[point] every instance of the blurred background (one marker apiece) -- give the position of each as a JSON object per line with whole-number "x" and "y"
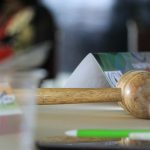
{"x": 55, "y": 35}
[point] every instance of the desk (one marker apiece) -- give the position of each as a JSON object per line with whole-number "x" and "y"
{"x": 54, "y": 120}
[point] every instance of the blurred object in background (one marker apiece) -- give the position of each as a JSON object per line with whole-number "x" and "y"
{"x": 27, "y": 31}
{"x": 99, "y": 26}
{"x": 142, "y": 19}
{"x": 85, "y": 26}
{"x": 139, "y": 25}
{"x": 89, "y": 26}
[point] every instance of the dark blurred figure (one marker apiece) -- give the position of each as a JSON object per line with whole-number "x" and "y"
{"x": 25, "y": 23}
{"x": 116, "y": 37}
{"x": 103, "y": 26}
{"x": 142, "y": 19}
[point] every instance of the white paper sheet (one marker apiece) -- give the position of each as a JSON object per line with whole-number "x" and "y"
{"x": 88, "y": 74}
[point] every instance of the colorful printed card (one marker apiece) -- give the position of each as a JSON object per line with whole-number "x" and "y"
{"x": 116, "y": 64}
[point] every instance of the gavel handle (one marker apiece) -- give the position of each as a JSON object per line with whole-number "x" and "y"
{"x": 48, "y": 96}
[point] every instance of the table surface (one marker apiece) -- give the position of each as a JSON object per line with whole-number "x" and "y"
{"x": 54, "y": 120}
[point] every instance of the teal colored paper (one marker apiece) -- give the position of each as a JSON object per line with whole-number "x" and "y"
{"x": 114, "y": 61}
{"x": 123, "y": 61}
{"x": 116, "y": 64}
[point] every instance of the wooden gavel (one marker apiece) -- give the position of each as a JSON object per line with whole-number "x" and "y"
{"x": 132, "y": 92}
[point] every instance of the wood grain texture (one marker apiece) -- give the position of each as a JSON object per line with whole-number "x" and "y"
{"x": 133, "y": 93}
{"x": 135, "y": 87}
{"x": 77, "y": 95}
{"x": 66, "y": 139}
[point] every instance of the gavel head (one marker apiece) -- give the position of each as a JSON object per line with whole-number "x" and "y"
{"x": 135, "y": 89}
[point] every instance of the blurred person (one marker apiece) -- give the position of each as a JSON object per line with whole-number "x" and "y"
{"x": 25, "y": 23}
{"x": 115, "y": 39}
{"x": 142, "y": 19}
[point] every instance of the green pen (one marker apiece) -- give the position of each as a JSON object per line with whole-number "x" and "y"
{"x": 104, "y": 133}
